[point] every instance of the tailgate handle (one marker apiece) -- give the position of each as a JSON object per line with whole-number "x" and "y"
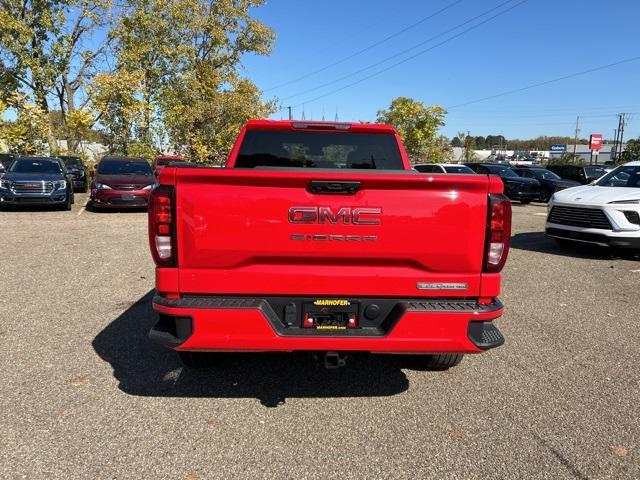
{"x": 329, "y": 187}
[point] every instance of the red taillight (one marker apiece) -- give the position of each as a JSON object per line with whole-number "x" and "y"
{"x": 162, "y": 236}
{"x": 498, "y": 233}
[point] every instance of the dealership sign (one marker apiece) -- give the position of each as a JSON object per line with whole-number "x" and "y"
{"x": 559, "y": 147}
{"x": 595, "y": 141}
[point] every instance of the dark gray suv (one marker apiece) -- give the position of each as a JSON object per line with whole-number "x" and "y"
{"x": 37, "y": 181}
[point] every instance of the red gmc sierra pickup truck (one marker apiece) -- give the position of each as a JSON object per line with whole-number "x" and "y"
{"x": 320, "y": 236}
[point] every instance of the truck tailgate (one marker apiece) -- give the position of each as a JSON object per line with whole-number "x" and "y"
{"x": 235, "y": 235}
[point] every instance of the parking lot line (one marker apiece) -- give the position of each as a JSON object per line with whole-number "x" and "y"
{"x": 84, "y": 207}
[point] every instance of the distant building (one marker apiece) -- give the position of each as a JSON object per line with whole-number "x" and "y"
{"x": 581, "y": 150}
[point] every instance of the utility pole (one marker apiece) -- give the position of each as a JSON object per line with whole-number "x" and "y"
{"x": 575, "y": 139}
{"x": 622, "y": 122}
{"x": 615, "y": 144}
{"x": 290, "y": 114}
{"x": 614, "y": 153}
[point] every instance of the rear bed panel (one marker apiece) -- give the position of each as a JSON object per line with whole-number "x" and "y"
{"x": 235, "y": 237}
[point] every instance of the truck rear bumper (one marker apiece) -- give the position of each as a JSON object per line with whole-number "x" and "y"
{"x": 251, "y": 324}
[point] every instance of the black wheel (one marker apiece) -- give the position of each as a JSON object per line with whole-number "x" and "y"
{"x": 525, "y": 202}
{"x": 197, "y": 359}
{"x": 84, "y": 189}
{"x": 438, "y": 362}
{"x": 67, "y": 204}
{"x": 545, "y": 196}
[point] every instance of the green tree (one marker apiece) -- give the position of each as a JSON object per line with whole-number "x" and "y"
{"x": 455, "y": 142}
{"x": 416, "y": 123}
{"x": 480, "y": 143}
{"x": 188, "y": 54}
{"x": 26, "y": 133}
{"x": 440, "y": 151}
{"x": 495, "y": 141}
{"x": 116, "y": 98}
{"x": 632, "y": 152}
{"x": 148, "y": 41}
{"x": 46, "y": 53}
{"x": 469, "y": 144}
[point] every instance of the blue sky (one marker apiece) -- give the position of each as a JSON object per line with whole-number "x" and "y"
{"x": 533, "y": 42}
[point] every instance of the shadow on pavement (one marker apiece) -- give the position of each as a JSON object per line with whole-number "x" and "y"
{"x": 31, "y": 208}
{"x": 539, "y": 242}
{"x": 145, "y": 369}
{"x": 106, "y": 211}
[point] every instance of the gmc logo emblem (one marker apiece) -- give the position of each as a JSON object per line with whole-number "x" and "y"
{"x": 345, "y": 215}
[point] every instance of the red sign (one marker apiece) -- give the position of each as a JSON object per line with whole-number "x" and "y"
{"x": 595, "y": 141}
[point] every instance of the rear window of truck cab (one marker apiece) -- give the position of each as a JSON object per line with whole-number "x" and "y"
{"x": 315, "y": 149}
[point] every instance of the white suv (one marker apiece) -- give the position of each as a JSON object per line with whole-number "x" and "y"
{"x": 442, "y": 168}
{"x": 605, "y": 212}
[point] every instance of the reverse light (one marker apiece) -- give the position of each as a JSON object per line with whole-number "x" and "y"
{"x": 163, "y": 246}
{"x": 498, "y": 233}
{"x": 162, "y": 236}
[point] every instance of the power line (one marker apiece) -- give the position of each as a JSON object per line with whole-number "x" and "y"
{"x": 546, "y": 82}
{"x": 340, "y": 40}
{"x": 416, "y": 54}
{"x": 402, "y": 52}
{"x": 367, "y": 48}
{"x": 517, "y": 115}
{"x": 563, "y": 109}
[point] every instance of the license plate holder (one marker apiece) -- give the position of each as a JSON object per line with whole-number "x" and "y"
{"x": 330, "y": 315}
{"x": 129, "y": 197}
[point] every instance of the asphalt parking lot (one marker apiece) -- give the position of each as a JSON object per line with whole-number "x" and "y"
{"x": 85, "y": 395}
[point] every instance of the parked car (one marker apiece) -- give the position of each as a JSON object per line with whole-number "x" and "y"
{"x": 122, "y": 182}
{"x": 5, "y": 162}
{"x": 606, "y": 212}
{"x": 549, "y": 181}
{"x": 442, "y": 168}
{"x": 76, "y": 167}
{"x": 515, "y": 187}
{"x": 37, "y": 181}
{"x": 290, "y": 249}
{"x": 582, "y": 174}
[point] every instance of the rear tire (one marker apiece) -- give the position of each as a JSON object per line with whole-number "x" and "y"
{"x": 438, "y": 362}
{"x": 197, "y": 360}
{"x": 545, "y": 196}
{"x": 67, "y": 204}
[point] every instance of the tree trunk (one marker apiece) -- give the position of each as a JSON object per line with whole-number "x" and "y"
{"x": 41, "y": 101}
{"x": 72, "y": 137}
